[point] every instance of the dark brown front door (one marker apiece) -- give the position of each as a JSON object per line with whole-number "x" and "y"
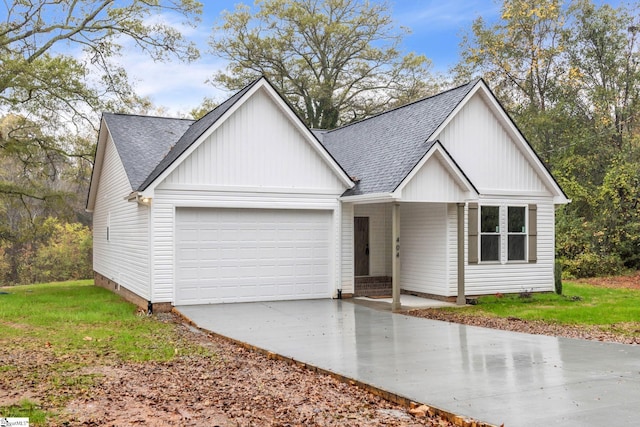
{"x": 361, "y": 245}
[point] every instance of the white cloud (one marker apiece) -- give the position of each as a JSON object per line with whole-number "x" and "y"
{"x": 434, "y": 15}
{"x": 176, "y": 86}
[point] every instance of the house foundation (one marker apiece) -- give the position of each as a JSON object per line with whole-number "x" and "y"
{"x": 104, "y": 282}
{"x": 372, "y": 286}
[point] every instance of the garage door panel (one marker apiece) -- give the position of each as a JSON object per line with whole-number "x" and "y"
{"x": 242, "y": 255}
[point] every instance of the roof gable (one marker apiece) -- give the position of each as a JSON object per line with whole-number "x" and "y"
{"x": 257, "y": 147}
{"x": 506, "y": 148}
{"x": 382, "y": 150}
{"x": 193, "y": 133}
{"x": 202, "y": 129}
{"x": 437, "y": 178}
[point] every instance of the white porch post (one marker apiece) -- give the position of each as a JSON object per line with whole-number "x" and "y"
{"x": 461, "y": 299}
{"x": 395, "y": 253}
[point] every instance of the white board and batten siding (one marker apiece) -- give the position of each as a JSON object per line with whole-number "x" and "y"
{"x": 257, "y": 164}
{"x": 486, "y": 152}
{"x": 128, "y": 224}
{"x": 257, "y": 147}
{"x": 433, "y": 183}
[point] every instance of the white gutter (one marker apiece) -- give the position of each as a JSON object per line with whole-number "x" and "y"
{"x": 370, "y": 198}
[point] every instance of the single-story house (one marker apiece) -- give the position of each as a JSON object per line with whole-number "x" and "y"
{"x": 443, "y": 197}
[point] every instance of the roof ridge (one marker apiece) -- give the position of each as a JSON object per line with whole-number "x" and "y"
{"x": 147, "y": 116}
{"x": 471, "y": 82}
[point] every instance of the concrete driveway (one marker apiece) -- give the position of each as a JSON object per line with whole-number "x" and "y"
{"x": 492, "y": 376}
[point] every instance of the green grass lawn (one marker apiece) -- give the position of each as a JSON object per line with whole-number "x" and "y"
{"x": 72, "y": 326}
{"x": 77, "y": 317}
{"x": 580, "y": 304}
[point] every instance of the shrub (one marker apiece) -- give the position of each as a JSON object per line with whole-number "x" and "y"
{"x": 590, "y": 264}
{"x": 557, "y": 276}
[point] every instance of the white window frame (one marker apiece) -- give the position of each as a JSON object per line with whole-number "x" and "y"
{"x": 524, "y": 233}
{"x": 503, "y": 233}
{"x": 487, "y": 233}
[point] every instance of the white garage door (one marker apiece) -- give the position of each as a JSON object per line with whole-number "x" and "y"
{"x": 242, "y": 255}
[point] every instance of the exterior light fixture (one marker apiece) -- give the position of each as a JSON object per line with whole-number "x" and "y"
{"x": 139, "y": 198}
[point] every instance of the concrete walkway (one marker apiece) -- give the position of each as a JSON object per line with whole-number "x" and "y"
{"x": 492, "y": 376}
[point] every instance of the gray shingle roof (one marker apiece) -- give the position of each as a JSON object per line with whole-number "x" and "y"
{"x": 143, "y": 141}
{"x": 382, "y": 150}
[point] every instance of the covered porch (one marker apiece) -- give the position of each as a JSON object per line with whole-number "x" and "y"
{"x": 410, "y": 248}
{"x": 411, "y": 240}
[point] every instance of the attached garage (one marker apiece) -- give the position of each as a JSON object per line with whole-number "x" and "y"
{"x": 243, "y": 255}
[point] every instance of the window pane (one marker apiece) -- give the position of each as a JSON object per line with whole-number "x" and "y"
{"x": 516, "y": 219}
{"x": 489, "y": 247}
{"x": 489, "y": 219}
{"x": 516, "y": 247}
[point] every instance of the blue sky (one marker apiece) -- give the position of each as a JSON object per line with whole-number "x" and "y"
{"x": 436, "y": 27}
{"x": 436, "y": 30}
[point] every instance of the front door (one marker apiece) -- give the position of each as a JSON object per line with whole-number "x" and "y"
{"x": 361, "y": 245}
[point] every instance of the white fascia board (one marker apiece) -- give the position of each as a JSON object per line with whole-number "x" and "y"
{"x": 369, "y": 198}
{"x": 249, "y": 189}
{"x": 456, "y": 174}
{"x": 311, "y": 139}
{"x": 101, "y": 148}
{"x": 493, "y": 192}
{"x": 561, "y": 200}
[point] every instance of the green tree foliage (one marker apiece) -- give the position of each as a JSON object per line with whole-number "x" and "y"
{"x": 335, "y": 61}
{"x": 569, "y": 74}
{"x": 61, "y": 251}
{"x": 58, "y": 72}
{"x": 67, "y": 254}
{"x": 521, "y": 56}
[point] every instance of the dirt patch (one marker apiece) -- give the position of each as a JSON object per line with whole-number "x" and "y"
{"x": 627, "y": 281}
{"x": 536, "y": 327}
{"x": 236, "y": 387}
